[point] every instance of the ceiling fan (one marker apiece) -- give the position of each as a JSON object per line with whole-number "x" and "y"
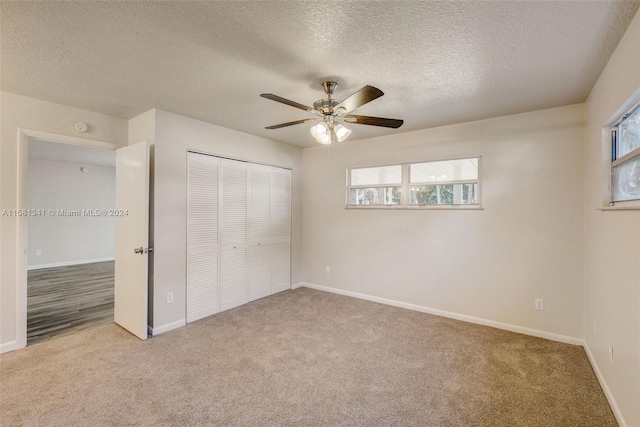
{"x": 332, "y": 112}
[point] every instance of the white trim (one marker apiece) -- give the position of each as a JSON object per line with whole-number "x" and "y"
{"x": 620, "y": 208}
{"x": 419, "y": 207}
{"x": 166, "y": 328}
{"x": 68, "y": 263}
{"x": 298, "y": 285}
{"x": 605, "y": 388}
{"x": 65, "y": 139}
{"x": 9, "y": 346}
{"x": 465, "y": 318}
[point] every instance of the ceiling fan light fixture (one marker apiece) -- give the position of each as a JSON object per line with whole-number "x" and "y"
{"x": 342, "y": 132}
{"x": 327, "y": 133}
{"x": 321, "y": 133}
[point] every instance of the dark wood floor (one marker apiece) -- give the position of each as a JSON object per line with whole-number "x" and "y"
{"x": 66, "y": 299}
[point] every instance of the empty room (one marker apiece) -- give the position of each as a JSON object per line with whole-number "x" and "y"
{"x": 320, "y": 213}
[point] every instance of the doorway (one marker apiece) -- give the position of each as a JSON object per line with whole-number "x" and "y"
{"x": 70, "y": 242}
{"x": 133, "y": 181}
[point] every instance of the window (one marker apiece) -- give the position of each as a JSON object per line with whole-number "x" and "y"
{"x": 625, "y": 157}
{"x": 450, "y": 182}
{"x": 444, "y": 183}
{"x": 375, "y": 186}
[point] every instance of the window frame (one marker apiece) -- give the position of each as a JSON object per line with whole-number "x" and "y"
{"x": 405, "y": 186}
{"x": 615, "y": 161}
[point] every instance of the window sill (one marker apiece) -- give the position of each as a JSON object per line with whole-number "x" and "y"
{"x": 419, "y": 208}
{"x": 619, "y": 208}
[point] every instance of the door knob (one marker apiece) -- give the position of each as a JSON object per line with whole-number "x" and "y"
{"x": 139, "y": 250}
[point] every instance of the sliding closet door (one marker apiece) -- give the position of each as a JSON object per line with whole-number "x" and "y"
{"x": 259, "y": 256}
{"x": 202, "y": 236}
{"x": 233, "y": 228}
{"x": 280, "y": 230}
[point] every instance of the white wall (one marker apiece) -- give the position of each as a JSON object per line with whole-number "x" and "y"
{"x": 173, "y": 137}
{"x": 70, "y": 240}
{"x": 20, "y": 112}
{"x": 489, "y": 264}
{"x": 612, "y": 242}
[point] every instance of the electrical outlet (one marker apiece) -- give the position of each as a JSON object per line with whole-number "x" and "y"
{"x": 539, "y": 304}
{"x": 595, "y": 327}
{"x": 327, "y": 269}
{"x": 169, "y": 297}
{"x": 38, "y": 252}
{"x": 611, "y": 354}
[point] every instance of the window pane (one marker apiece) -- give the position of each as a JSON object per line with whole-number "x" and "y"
{"x": 626, "y": 180}
{"x": 377, "y": 176}
{"x": 445, "y": 171}
{"x": 629, "y": 134}
{"x": 448, "y": 194}
{"x": 375, "y": 196}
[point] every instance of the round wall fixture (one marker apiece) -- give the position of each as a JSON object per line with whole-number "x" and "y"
{"x": 83, "y": 170}
{"x": 81, "y": 127}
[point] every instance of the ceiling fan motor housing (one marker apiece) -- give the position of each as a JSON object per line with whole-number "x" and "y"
{"x": 326, "y": 105}
{"x": 329, "y": 87}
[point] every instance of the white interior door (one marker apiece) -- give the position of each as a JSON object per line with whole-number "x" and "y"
{"x": 132, "y": 238}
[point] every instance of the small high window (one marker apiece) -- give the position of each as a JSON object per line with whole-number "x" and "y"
{"x": 375, "y": 186}
{"x": 625, "y": 157}
{"x": 443, "y": 183}
{"x": 450, "y": 182}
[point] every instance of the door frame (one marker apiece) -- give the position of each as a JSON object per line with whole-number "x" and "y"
{"x": 22, "y": 224}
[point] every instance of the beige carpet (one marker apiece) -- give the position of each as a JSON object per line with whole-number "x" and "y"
{"x": 303, "y": 357}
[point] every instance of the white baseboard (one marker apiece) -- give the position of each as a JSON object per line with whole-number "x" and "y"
{"x": 67, "y": 263}
{"x": 166, "y": 328}
{"x": 297, "y": 285}
{"x": 8, "y": 346}
{"x": 465, "y": 318}
{"x": 605, "y": 387}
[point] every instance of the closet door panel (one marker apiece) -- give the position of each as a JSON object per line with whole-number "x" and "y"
{"x": 280, "y": 267}
{"x": 259, "y": 205}
{"x": 202, "y": 286}
{"x": 234, "y": 202}
{"x": 259, "y": 272}
{"x": 233, "y": 226}
{"x": 281, "y": 205}
{"x": 202, "y": 236}
{"x": 233, "y": 283}
{"x": 259, "y": 260}
{"x": 280, "y": 230}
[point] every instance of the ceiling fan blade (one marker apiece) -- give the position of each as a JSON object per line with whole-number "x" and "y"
{"x": 288, "y": 102}
{"x": 282, "y": 125}
{"x": 358, "y": 99}
{"x": 373, "y": 121}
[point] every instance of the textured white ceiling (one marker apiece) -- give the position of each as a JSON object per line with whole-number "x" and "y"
{"x": 437, "y": 62}
{"x": 45, "y": 150}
